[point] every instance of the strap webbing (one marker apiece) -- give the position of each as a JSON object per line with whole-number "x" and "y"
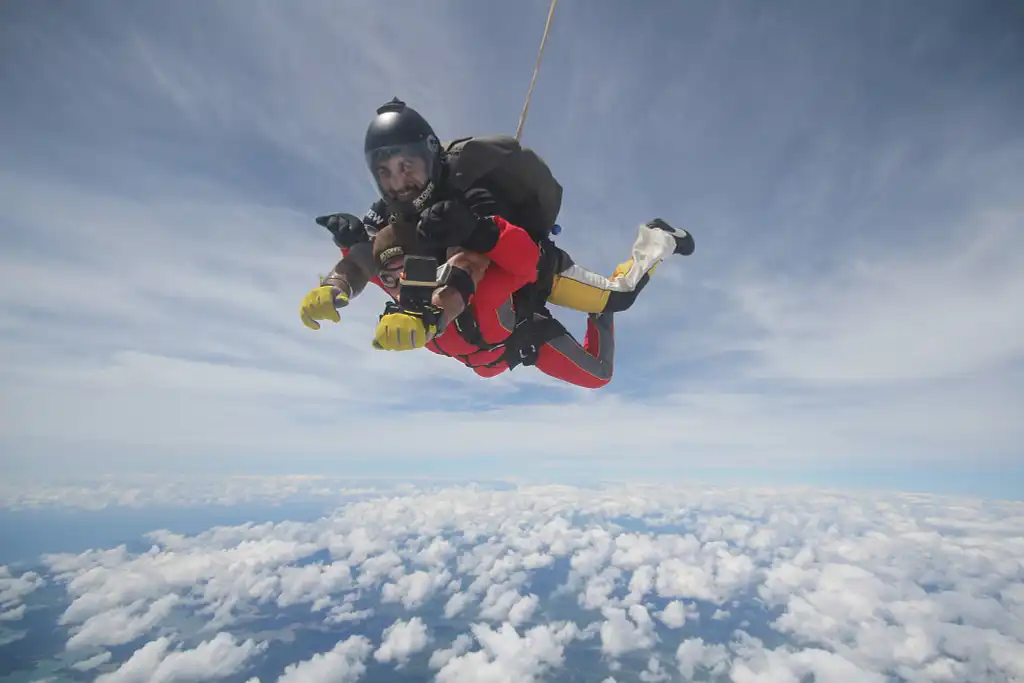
{"x": 536, "y": 68}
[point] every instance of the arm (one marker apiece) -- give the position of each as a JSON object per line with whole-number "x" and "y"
{"x": 354, "y": 237}
{"x": 354, "y": 270}
{"x": 476, "y": 223}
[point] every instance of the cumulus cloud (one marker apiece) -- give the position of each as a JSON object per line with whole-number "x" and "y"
{"x": 694, "y": 654}
{"x": 412, "y": 590}
{"x": 156, "y": 662}
{"x": 654, "y": 672}
{"x": 459, "y": 646}
{"x": 345, "y": 663}
{"x": 677, "y": 612}
{"x": 313, "y": 583}
{"x": 14, "y": 589}
{"x": 849, "y": 585}
{"x": 402, "y": 639}
{"x": 122, "y": 624}
{"x": 456, "y": 604}
{"x": 92, "y": 662}
{"x": 627, "y": 630}
{"x": 505, "y": 655}
{"x": 347, "y": 612}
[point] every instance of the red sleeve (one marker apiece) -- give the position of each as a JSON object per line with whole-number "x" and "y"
{"x": 515, "y": 251}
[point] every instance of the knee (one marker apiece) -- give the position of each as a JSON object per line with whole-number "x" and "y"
{"x": 621, "y": 301}
{"x": 561, "y": 259}
{"x": 597, "y": 382}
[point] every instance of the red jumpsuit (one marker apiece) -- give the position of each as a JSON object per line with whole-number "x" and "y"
{"x": 513, "y": 265}
{"x": 514, "y": 261}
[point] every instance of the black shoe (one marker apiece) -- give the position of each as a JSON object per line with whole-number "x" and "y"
{"x": 684, "y": 240}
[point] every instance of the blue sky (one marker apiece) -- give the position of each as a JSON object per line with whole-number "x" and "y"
{"x": 853, "y": 314}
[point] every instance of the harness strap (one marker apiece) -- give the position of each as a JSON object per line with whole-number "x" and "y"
{"x": 534, "y": 327}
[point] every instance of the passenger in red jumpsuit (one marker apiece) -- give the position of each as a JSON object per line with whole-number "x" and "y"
{"x": 473, "y": 230}
{"x": 497, "y": 274}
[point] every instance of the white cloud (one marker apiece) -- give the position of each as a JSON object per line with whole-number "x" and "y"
{"x": 786, "y": 665}
{"x": 346, "y": 611}
{"x": 456, "y": 604}
{"x": 627, "y": 630}
{"x": 677, "y": 612}
{"x": 523, "y": 609}
{"x": 314, "y": 582}
{"x": 413, "y": 590}
{"x": 598, "y": 588}
{"x": 866, "y": 582}
{"x": 505, "y": 655}
{"x": 459, "y": 646}
{"x": 14, "y": 589}
{"x": 694, "y": 654}
{"x": 122, "y": 624}
{"x": 155, "y": 662}
{"x": 343, "y": 664}
{"x": 654, "y": 672}
{"x": 402, "y": 639}
{"x": 13, "y": 614}
{"x": 92, "y": 662}
{"x": 438, "y": 552}
{"x": 504, "y": 602}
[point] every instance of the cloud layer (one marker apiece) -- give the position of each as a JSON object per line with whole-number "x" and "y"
{"x": 466, "y": 583}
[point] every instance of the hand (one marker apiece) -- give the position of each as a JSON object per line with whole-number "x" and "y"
{"x": 451, "y": 223}
{"x": 322, "y": 303}
{"x": 346, "y": 229}
{"x": 472, "y": 262}
{"x": 403, "y": 331}
{"x": 449, "y": 301}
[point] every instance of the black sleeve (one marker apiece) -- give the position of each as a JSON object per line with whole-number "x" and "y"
{"x": 375, "y": 218}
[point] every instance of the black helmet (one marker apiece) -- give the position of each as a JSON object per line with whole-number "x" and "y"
{"x": 404, "y": 157}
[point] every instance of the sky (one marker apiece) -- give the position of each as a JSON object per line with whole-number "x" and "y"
{"x": 852, "y": 314}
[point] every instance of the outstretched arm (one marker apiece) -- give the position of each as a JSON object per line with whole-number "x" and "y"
{"x": 354, "y": 270}
{"x": 475, "y": 225}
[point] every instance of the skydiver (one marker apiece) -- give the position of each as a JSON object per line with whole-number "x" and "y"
{"x": 492, "y": 280}
{"x": 416, "y": 185}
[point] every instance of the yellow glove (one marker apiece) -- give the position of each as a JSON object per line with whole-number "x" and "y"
{"x": 322, "y": 304}
{"x": 403, "y": 331}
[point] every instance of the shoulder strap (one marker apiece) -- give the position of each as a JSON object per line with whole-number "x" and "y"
{"x": 470, "y": 158}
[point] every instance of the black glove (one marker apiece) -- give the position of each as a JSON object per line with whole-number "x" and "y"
{"x": 453, "y": 224}
{"x": 345, "y": 228}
